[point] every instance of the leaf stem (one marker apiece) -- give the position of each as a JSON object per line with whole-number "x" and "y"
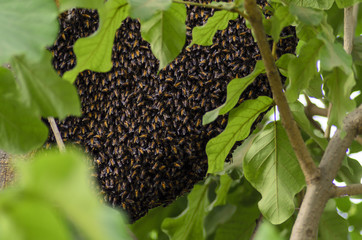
{"x": 56, "y": 132}
{"x": 306, "y": 162}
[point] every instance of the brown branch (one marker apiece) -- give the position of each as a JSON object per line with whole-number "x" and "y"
{"x": 319, "y": 192}
{"x": 56, "y": 132}
{"x": 312, "y": 110}
{"x": 305, "y": 160}
{"x": 350, "y": 190}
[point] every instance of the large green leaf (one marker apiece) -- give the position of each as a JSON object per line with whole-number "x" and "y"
{"x": 237, "y": 129}
{"x": 43, "y": 90}
{"x": 272, "y": 168}
{"x": 21, "y": 130}
{"x": 268, "y": 231}
{"x": 338, "y": 87}
{"x": 222, "y": 190}
{"x": 318, "y": 4}
{"x": 302, "y": 69}
{"x": 68, "y": 4}
{"x": 190, "y": 223}
{"x": 203, "y": 35}
{"x": 332, "y": 226}
{"x": 66, "y": 176}
{"x": 166, "y": 33}
{"x": 145, "y": 9}
{"x": 95, "y": 52}
{"x": 234, "y": 90}
{"x": 26, "y": 27}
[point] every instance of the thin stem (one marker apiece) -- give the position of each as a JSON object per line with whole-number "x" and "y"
{"x": 305, "y": 160}
{"x": 56, "y": 132}
{"x": 350, "y": 190}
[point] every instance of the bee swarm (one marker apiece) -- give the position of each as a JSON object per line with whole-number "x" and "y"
{"x": 144, "y": 129}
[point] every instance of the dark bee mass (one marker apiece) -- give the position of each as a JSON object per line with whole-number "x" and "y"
{"x": 144, "y": 130}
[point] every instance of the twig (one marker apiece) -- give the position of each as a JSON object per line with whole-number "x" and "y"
{"x": 311, "y": 110}
{"x": 348, "y": 29}
{"x": 350, "y": 190}
{"x": 257, "y": 225}
{"x": 56, "y": 132}
{"x": 327, "y": 133}
{"x": 305, "y": 160}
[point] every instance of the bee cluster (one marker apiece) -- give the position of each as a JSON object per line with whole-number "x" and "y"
{"x": 144, "y": 129}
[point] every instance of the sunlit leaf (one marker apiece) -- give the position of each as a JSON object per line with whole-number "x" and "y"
{"x": 26, "y": 27}
{"x": 145, "y": 9}
{"x": 203, "y": 35}
{"x": 95, "y": 52}
{"x": 355, "y": 217}
{"x": 238, "y": 128}
{"x": 272, "y": 168}
{"x": 190, "y": 223}
{"x": 234, "y": 90}
{"x": 222, "y": 190}
{"x": 346, "y": 3}
{"x": 68, "y": 4}
{"x": 268, "y": 231}
{"x": 43, "y": 90}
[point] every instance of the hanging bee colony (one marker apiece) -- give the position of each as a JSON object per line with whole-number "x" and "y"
{"x": 144, "y": 129}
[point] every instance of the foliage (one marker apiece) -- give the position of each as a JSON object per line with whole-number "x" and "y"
{"x": 52, "y": 196}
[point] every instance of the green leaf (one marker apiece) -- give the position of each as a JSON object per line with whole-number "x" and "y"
{"x": 355, "y": 216}
{"x": 21, "y": 130}
{"x": 272, "y": 168}
{"x": 237, "y": 129}
{"x": 280, "y": 20}
{"x": 27, "y": 27}
{"x": 234, "y": 90}
{"x": 190, "y": 223}
{"x": 333, "y": 55}
{"x": 318, "y": 4}
{"x": 307, "y": 15}
{"x": 95, "y": 52}
{"x": 302, "y": 69}
{"x": 343, "y": 204}
{"x": 283, "y": 62}
{"x": 145, "y": 9}
{"x": 351, "y": 172}
{"x": 43, "y": 90}
{"x": 268, "y": 231}
{"x": 315, "y": 87}
{"x": 218, "y": 215}
{"x": 68, "y": 4}
{"x": 35, "y": 219}
{"x": 166, "y": 33}
{"x": 299, "y": 116}
{"x": 66, "y": 176}
{"x": 346, "y": 3}
{"x": 203, "y": 35}
{"x": 222, "y": 190}
{"x": 338, "y": 87}
{"x": 242, "y": 223}
{"x": 332, "y": 226}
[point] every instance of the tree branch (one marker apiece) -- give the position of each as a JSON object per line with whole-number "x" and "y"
{"x": 319, "y": 192}
{"x": 56, "y": 132}
{"x": 350, "y": 190}
{"x": 305, "y": 160}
